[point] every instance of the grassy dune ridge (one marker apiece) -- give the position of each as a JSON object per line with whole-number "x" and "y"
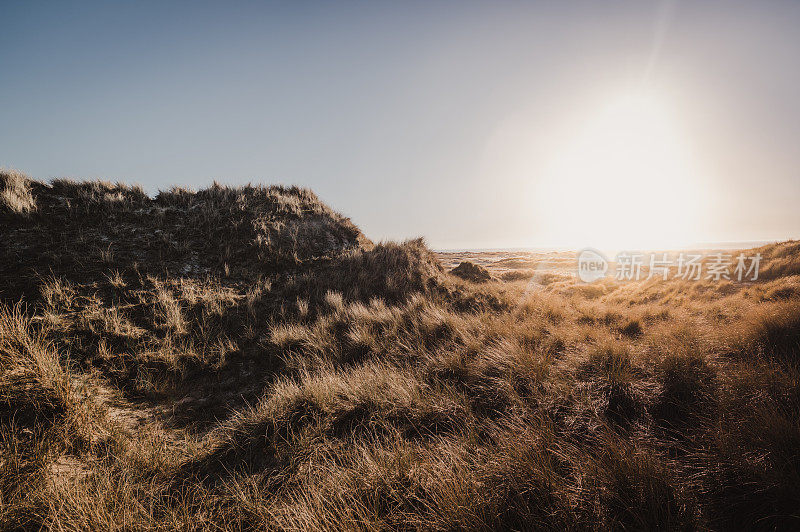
{"x": 244, "y": 358}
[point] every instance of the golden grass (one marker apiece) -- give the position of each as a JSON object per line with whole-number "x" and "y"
{"x": 368, "y": 389}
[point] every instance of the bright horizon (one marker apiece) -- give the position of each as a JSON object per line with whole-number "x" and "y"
{"x": 638, "y": 125}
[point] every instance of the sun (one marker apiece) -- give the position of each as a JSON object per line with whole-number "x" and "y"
{"x": 623, "y": 179}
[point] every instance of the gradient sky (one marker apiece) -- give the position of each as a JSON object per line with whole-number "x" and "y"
{"x": 426, "y": 119}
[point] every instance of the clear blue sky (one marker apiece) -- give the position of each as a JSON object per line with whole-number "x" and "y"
{"x": 412, "y": 118}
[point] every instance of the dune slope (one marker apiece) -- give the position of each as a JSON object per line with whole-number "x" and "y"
{"x": 244, "y": 358}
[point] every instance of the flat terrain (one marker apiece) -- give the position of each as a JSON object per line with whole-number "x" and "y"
{"x": 522, "y": 262}
{"x": 245, "y": 358}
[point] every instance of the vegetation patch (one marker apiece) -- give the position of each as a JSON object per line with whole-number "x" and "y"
{"x": 244, "y": 358}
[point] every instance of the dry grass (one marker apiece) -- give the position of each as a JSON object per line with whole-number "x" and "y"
{"x": 337, "y": 384}
{"x": 16, "y": 198}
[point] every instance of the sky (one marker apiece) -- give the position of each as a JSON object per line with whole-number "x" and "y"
{"x": 473, "y": 124}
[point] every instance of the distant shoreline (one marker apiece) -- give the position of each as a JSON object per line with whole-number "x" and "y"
{"x": 698, "y": 245}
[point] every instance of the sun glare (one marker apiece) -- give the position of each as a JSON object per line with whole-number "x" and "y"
{"x": 625, "y": 179}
